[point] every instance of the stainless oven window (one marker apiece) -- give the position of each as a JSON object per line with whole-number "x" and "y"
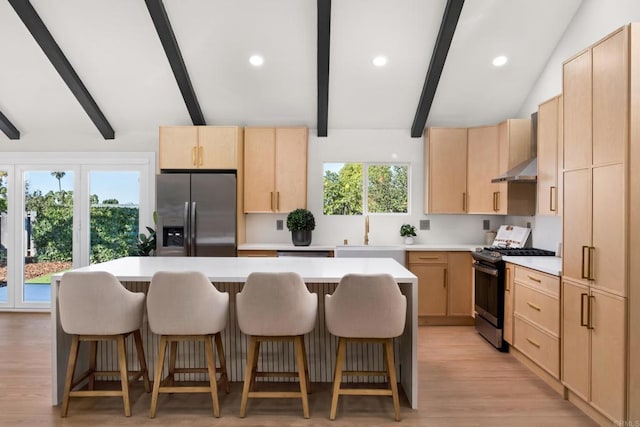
{"x": 488, "y": 295}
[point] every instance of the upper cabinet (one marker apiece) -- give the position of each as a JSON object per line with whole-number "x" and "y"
{"x": 199, "y": 147}
{"x": 275, "y": 161}
{"x": 482, "y": 161}
{"x": 462, "y": 162}
{"x": 446, "y": 156}
{"x": 550, "y": 157}
{"x": 514, "y": 140}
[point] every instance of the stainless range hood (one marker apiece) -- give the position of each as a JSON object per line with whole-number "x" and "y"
{"x": 526, "y": 171}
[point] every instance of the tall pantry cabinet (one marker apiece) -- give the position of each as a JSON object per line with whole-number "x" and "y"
{"x": 601, "y": 335}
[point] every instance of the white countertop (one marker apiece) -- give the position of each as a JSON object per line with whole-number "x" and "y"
{"x": 415, "y": 247}
{"x": 546, "y": 264}
{"x": 313, "y": 270}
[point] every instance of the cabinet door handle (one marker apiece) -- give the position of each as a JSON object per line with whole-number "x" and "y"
{"x": 446, "y": 278}
{"x": 271, "y": 200}
{"x": 535, "y": 279}
{"x": 582, "y": 322}
{"x": 277, "y": 200}
{"x": 464, "y": 202}
{"x": 592, "y": 298}
{"x": 200, "y": 156}
{"x": 428, "y": 257}
{"x": 583, "y": 274}
{"x": 533, "y": 343}
{"x": 535, "y": 307}
{"x": 507, "y": 286}
{"x": 193, "y": 156}
{"x": 553, "y": 190}
{"x": 592, "y": 253}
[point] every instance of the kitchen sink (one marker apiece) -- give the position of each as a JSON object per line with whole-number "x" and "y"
{"x": 371, "y": 251}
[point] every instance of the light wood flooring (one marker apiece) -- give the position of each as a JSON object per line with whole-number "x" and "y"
{"x": 463, "y": 381}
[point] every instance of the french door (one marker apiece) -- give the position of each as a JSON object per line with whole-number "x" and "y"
{"x": 67, "y": 214}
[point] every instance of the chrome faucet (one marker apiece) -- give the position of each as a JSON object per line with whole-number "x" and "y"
{"x": 366, "y": 230}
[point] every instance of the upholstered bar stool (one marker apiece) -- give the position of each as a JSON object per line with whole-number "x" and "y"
{"x": 276, "y": 307}
{"x": 94, "y": 306}
{"x": 366, "y": 308}
{"x": 185, "y": 306}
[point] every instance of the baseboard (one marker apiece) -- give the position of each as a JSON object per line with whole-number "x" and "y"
{"x": 445, "y": 321}
{"x": 589, "y": 410}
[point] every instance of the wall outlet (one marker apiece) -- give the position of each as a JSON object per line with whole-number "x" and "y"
{"x": 528, "y": 225}
{"x": 279, "y": 224}
{"x": 486, "y": 224}
{"x": 425, "y": 224}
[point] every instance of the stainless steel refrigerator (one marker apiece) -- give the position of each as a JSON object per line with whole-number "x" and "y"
{"x": 196, "y": 214}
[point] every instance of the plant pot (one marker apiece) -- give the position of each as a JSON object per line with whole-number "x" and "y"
{"x": 408, "y": 240}
{"x": 301, "y": 237}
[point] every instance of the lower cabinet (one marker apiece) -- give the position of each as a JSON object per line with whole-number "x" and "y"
{"x": 536, "y": 317}
{"x": 257, "y": 253}
{"x": 593, "y": 347}
{"x": 444, "y": 286}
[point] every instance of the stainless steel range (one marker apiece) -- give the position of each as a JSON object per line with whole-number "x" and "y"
{"x": 489, "y": 287}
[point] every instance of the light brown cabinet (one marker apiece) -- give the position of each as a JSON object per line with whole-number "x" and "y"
{"x": 514, "y": 142}
{"x": 199, "y": 147}
{"x": 444, "y": 286}
{"x": 275, "y": 161}
{"x": 536, "y": 313}
{"x": 600, "y": 259}
{"x": 550, "y": 157}
{"x": 507, "y": 332}
{"x": 257, "y": 253}
{"x": 483, "y": 166}
{"x": 446, "y": 156}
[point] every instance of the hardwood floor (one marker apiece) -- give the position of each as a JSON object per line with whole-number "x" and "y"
{"x": 463, "y": 382}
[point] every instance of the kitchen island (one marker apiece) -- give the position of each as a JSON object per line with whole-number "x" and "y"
{"x": 228, "y": 275}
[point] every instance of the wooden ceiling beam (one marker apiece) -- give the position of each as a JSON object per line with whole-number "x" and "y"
{"x": 324, "y": 30}
{"x": 8, "y": 128}
{"x": 172, "y": 50}
{"x": 452, "y": 12}
{"x": 47, "y": 43}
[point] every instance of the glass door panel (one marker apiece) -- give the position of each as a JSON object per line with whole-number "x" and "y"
{"x": 4, "y": 235}
{"x": 114, "y": 214}
{"x": 48, "y": 231}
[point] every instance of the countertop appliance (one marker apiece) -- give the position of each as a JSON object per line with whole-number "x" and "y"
{"x": 488, "y": 268}
{"x": 196, "y": 214}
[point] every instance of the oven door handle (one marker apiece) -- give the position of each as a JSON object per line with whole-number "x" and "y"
{"x": 490, "y": 271}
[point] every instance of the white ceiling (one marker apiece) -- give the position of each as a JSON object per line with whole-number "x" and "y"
{"x": 114, "y": 48}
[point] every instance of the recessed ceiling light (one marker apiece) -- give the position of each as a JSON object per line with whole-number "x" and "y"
{"x": 499, "y": 61}
{"x": 380, "y": 61}
{"x": 256, "y": 60}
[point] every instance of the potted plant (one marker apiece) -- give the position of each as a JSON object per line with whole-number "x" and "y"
{"x": 408, "y": 231}
{"x": 301, "y": 222}
{"x": 147, "y": 244}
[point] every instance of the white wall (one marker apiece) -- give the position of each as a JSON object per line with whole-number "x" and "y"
{"x": 371, "y": 146}
{"x": 593, "y": 20}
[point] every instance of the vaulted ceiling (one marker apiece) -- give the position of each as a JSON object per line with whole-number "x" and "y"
{"x": 114, "y": 48}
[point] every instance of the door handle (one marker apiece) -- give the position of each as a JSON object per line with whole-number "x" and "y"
{"x": 590, "y": 312}
{"x": 534, "y": 279}
{"x": 535, "y": 307}
{"x": 464, "y": 202}
{"x": 193, "y": 155}
{"x": 271, "y": 200}
{"x": 582, "y": 322}
{"x": 592, "y": 252}
{"x": 533, "y": 343}
{"x": 582, "y": 273}
{"x": 186, "y": 233}
{"x": 277, "y": 201}
{"x": 446, "y": 279}
{"x": 553, "y": 190}
{"x": 508, "y": 281}
{"x": 200, "y": 156}
{"x": 193, "y": 229}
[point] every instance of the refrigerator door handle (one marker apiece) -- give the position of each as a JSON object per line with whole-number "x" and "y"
{"x": 186, "y": 233}
{"x": 192, "y": 227}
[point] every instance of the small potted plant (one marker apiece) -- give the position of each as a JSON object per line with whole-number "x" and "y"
{"x": 301, "y": 222}
{"x": 408, "y": 231}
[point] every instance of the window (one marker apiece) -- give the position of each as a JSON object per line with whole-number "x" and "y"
{"x": 362, "y": 188}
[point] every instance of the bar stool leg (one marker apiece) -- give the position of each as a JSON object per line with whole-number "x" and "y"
{"x": 338, "y": 377}
{"x": 143, "y": 363}
{"x": 93, "y": 356}
{"x": 299, "y": 344}
{"x": 251, "y": 356}
{"x": 71, "y": 367}
{"x": 391, "y": 366}
{"x": 173, "y": 356}
{"x": 211, "y": 366}
{"x": 224, "y": 378}
{"x": 157, "y": 379}
{"x": 124, "y": 375}
{"x": 254, "y": 365}
{"x": 306, "y": 366}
